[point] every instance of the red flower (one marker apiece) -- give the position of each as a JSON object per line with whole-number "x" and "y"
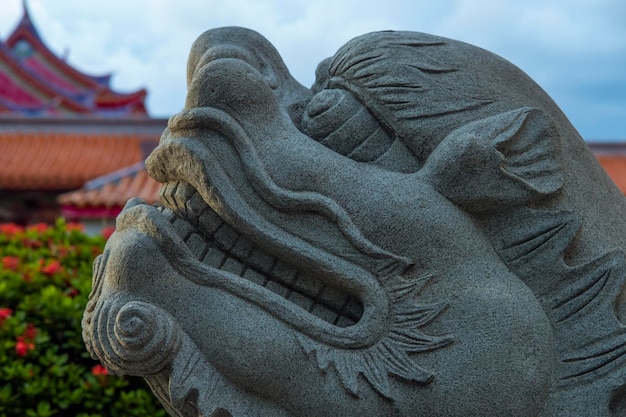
{"x": 30, "y": 332}
{"x": 10, "y": 229}
{"x": 99, "y": 370}
{"x": 39, "y": 227}
{"x": 5, "y": 313}
{"x": 108, "y": 231}
{"x": 95, "y": 251}
{"x": 32, "y": 243}
{"x": 20, "y": 347}
{"x": 75, "y": 226}
{"x": 61, "y": 251}
{"x": 52, "y": 268}
{"x": 23, "y": 346}
{"x": 26, "y": 342}
{"x": 11, "y": 263}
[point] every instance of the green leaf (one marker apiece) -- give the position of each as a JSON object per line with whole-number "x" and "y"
{"x": 57, "y": 374}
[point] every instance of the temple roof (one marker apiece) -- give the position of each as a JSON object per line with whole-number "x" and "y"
{"x": 612, "y": 157}
{"x": 56, "y": 160}
{"x": 615, "y": 167}
{"x": 36, "y": 82}
{"x": 106, "y": 196}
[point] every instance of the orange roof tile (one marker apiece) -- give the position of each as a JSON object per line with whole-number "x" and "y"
{"x": 64, "y": 160}
{"x": 615, "y": 167}
{"x": 114, "y": 189}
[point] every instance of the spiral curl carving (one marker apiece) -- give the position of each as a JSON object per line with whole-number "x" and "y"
{"x": 135, "y": 337}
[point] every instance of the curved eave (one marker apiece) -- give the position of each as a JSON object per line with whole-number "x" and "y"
{"x": 105, "y": 101}
{"x": 108, "y": 96}
{"x": 113, "y": 190}
{"x": 26, "y": 30}
{"x": 110, "y": 100}
{"x": 38, "y": 84}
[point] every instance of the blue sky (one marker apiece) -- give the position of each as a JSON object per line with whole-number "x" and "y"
{"x": 575, "y": 49}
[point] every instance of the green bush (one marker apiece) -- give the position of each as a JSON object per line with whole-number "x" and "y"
{"x": 45, "y": 370}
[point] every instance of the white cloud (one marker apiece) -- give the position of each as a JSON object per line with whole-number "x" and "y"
{"x": 571, "y": 47}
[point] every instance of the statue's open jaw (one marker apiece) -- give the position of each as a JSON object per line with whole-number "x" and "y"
{"x": 217, "y": 244}
{"x": 337, "y": 328}
{"x": 217, "y": 185}
{"x": 211, "y": 253}
{"x": 348, "y": 301}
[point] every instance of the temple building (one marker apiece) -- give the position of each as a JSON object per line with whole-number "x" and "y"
{"x": 64, "y": 134}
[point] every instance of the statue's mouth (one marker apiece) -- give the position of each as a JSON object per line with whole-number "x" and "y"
{"x": 218, "y": 245}
{"x": 354, "y": 330}
{"x": 293, "y": 251}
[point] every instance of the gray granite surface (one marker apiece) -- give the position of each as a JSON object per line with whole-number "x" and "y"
{"x": 420, "y": 233}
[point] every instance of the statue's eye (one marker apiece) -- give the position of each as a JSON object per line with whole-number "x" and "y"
{"x": 339, "y": 121}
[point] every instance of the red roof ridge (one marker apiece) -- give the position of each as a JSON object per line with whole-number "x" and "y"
{"x": 32, "y": 78}
{"x": 56, "y": 83}
{"x": 25, "y": 29}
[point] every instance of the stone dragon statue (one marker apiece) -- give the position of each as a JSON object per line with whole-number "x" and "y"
{"x": 421, "y": 233}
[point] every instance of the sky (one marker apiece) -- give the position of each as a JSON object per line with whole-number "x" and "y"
{"x": 574, "y": 49}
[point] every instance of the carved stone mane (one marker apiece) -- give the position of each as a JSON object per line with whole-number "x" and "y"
{"x": 421, "y": 233}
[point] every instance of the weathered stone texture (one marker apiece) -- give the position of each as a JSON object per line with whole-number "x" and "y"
{"x": 421, "y": 233}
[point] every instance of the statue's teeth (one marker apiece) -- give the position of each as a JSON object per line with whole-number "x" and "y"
{"x": 215, "y": 243}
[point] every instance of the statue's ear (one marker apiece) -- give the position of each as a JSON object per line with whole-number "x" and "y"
{"x": 508, "y": 159}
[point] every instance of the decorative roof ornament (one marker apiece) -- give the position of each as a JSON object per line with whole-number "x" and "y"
{"x": 32, "y": 78}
